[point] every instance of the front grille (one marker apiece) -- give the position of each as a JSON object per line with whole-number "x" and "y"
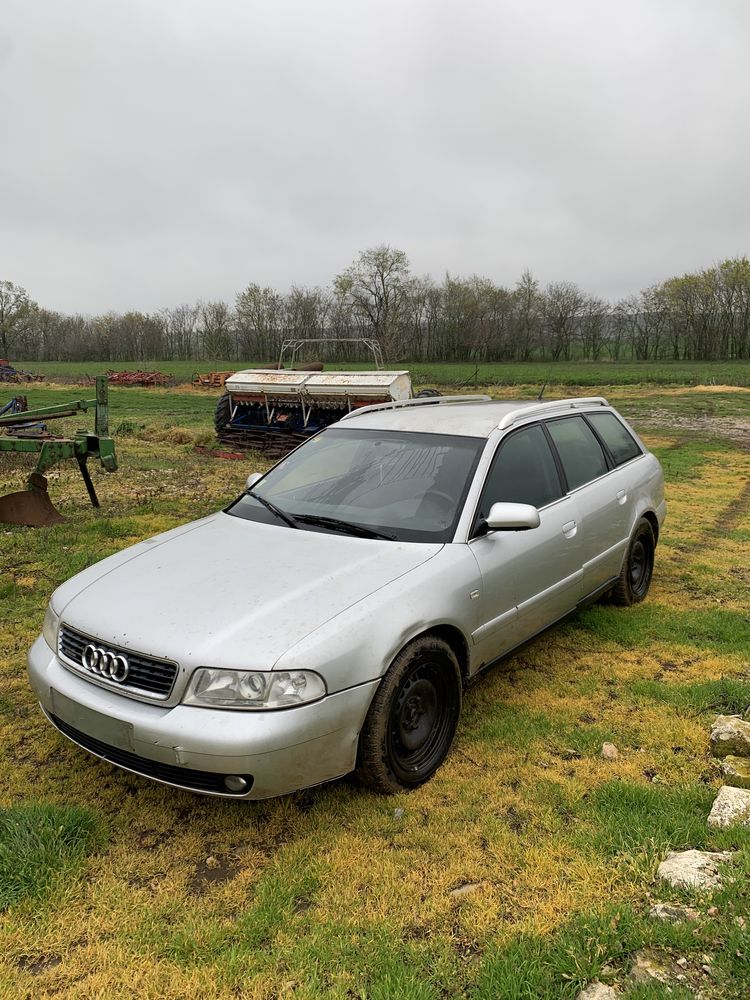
{"x": 145, "y": 673}
{"x": 185, "y": 777}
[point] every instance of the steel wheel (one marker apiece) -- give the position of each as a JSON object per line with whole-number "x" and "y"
{"x": 412, "y": 720}
{"x": 635, "y": 578}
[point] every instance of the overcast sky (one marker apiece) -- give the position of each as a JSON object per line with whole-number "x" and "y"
{"x": 158, "y": 151}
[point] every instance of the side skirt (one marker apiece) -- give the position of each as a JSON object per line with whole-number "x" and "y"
{"x": 585, "y": 602}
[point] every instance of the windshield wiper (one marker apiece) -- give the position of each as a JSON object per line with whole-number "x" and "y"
{"x": 282, "y": 515}
{"x": 348, "y": 526}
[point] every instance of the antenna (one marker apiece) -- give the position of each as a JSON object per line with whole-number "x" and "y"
{"x": 541, "y": 392}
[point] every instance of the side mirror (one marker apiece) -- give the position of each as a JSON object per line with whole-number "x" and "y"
{"x": 252, "y": 479}
{"x": 512, "y": 517}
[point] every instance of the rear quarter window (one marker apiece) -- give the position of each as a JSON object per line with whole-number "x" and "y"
{"x": 581, "y": 454}
{"x": 615, "y": 435}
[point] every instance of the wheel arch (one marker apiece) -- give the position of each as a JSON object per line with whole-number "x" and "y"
{"x": 653, "y": 520}
{"x": 454, "y": 638}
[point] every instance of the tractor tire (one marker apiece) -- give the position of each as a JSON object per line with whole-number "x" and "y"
{"x": 222, "y": 412}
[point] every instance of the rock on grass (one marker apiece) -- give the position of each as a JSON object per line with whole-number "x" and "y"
{"x": 598, "y": 991}
{"x": 736, "y": 771}
{"x": 674, "y": 913}
{"x": 730, "y": 734}
{"x": 649, "y": 967}
{"x": 696, "y": 869}
{"x": 731, "y": 807}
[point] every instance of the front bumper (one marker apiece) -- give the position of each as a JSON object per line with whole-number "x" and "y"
{"x": 281, "y": 751}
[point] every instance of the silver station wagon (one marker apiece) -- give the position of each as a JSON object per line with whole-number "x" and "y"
{"x": 330, "y": 618}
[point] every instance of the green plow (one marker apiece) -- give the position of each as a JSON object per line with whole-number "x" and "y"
{"x": 33, "y": 506}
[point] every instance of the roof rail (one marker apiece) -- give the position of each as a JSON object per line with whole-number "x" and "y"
{"x": 572, "y": 404}
{"x": 421, "y": 401}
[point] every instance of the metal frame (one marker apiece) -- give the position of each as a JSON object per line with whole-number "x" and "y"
{"x": 560, "y": 404}
{"x": 295, "y": 344}
{"x": 417, "y": 401}
{"x": 51, "y": 450}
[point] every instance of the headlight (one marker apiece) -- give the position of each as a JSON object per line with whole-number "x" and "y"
{"x": 253, "y": 689}
{"x": 50, "y": 627}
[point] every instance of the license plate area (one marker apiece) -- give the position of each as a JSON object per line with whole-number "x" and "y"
{"x": 101, "y": 727}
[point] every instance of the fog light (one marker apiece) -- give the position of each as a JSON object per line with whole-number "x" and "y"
{"x": 234, "y": 783}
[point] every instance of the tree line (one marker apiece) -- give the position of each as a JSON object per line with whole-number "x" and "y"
{"x": 700, "y": 317}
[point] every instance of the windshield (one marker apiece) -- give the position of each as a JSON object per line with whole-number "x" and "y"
{"x": 400, "y": 485}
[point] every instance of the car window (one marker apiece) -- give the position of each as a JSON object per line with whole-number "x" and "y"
{"x": 616, "y": 437}
{"x": 523, "y": 471}
{"x": 408, "y": 485}
{"x": 581, "y": 454}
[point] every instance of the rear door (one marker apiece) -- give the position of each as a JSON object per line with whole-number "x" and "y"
{"x": 531, "y": 578}
{"x": 602, "y": 496}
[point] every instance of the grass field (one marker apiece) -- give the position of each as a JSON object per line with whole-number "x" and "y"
{"x": 583, "y": 373}
{"x": 112, "y": 886}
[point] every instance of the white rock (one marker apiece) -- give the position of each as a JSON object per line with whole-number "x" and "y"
{"x": 731, "y": 807}
{"x": 609, "y": 751}
{"x": 736, "y": 771}
{"x": 730, "y": 735}
{"x": 697, "y": 869}
{"x": 675, "y": 913}
{"x": 649, "y": 967}
{"x": 464, "y": 890}
{"x": 597, "y": 991}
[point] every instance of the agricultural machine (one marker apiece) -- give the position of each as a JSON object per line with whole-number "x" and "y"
{"x": 27, "y": 434}
{"x": 274, "y": 410}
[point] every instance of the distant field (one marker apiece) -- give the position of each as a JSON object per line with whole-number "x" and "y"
{"x": 581, "y": 373}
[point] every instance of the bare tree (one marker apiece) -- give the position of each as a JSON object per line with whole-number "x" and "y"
{"x": 260, "y": 314}
{"x": 593, "y": 326}
{"x": 215, "y": 329}
{"x": 527, "y": 311}
{"x": 563, "y": 301}
{"x": 377, "y": 284}
{"x": 16, "y": 312}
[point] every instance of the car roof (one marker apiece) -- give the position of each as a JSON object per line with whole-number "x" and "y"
{"x": 477, "y": 418}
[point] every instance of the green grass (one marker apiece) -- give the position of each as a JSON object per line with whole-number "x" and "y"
{"x": 687, "y": 459}
{"x": 648, "y": 623}
{"x": 727, "y": 696}
{"x": 43, "y": 846}
{"x": 581, "y": 373}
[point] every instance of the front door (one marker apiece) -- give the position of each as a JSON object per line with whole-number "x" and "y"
{"x": 531, "y": 578}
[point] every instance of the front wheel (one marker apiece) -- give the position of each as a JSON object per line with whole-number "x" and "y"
{"x": 412, "y": 719}
{"x": 638, "y": 567}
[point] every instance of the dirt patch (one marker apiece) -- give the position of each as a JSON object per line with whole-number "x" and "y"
{"x": 36, "y": 964}
{"x": 212, "y": 870}
{"x": 733, "y": 513}
{"x": 733, "y": 429}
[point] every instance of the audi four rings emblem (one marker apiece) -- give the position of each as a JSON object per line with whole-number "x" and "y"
{"x": 104, "y": 662}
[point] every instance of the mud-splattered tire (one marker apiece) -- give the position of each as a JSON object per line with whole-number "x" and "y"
{"x": 637, "y": 568}
{"x": 412, "y": 720}
{"x": 222, "y": 412}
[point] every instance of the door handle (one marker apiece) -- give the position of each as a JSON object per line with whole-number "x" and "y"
{"x": 622, "y": 496}
{"x": 569, "y": 529}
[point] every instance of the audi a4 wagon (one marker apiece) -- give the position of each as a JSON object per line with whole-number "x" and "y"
{"x": 329, "y": 619}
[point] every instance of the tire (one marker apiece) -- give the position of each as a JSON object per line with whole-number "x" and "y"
{"x": 638, "y": 567}
{"x": 428, "y": 394}
{"x": 412, "y": 720}
{"x": 222, "y": 412}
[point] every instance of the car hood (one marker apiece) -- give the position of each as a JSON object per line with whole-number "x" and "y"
{"x": 229, "y": 592}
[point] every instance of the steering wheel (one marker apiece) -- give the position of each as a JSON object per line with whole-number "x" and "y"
{"x": 446, "y": 500}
